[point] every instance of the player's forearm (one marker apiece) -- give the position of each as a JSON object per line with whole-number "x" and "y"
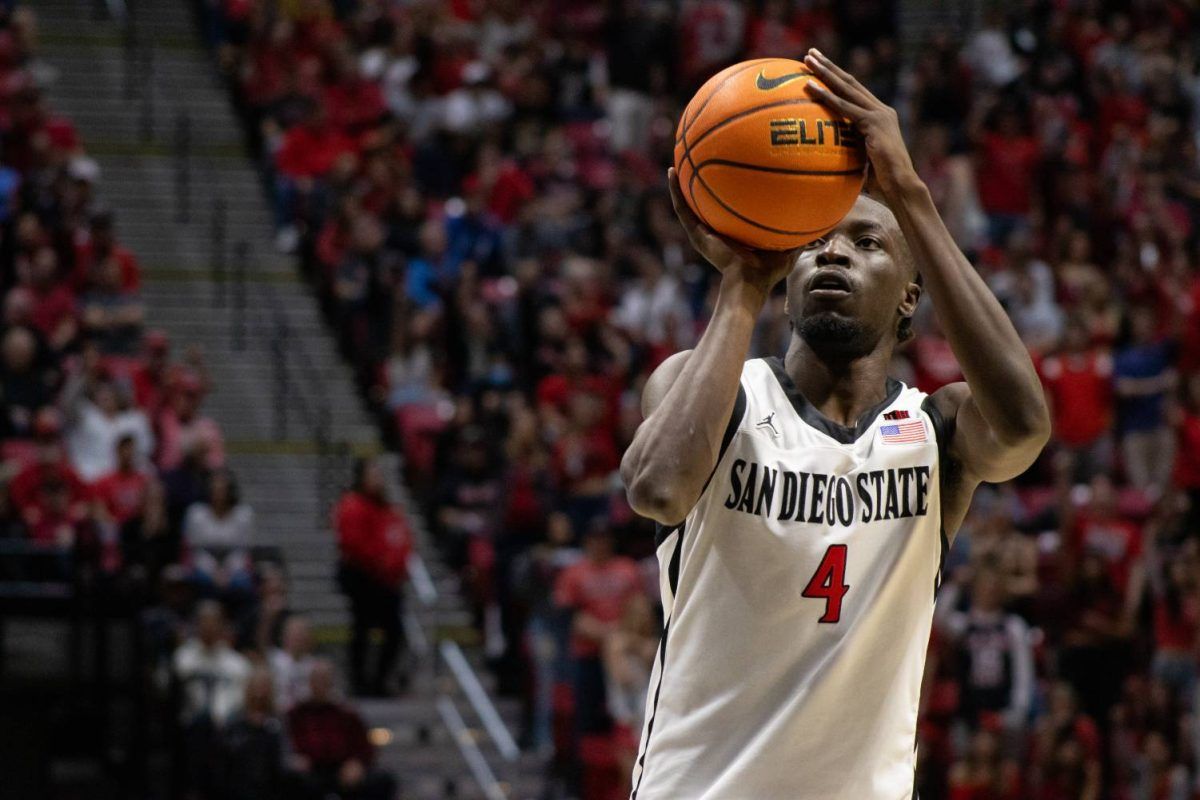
{"x": 1003, "y": 381}
{"x": 676, "y": 447}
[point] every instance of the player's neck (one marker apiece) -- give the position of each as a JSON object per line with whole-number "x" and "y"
{"x": 841, "y": 390}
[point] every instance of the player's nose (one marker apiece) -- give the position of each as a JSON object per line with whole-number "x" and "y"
{"x": 833, "y": 252}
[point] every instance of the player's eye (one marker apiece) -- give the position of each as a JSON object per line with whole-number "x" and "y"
{"x": 814, "y": 244}
{"x": 868, "y": 243}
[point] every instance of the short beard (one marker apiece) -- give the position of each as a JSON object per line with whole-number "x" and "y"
{"x": 835, "y": 337}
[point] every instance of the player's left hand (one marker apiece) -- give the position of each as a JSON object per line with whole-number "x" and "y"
{"x": 875, "y": 120}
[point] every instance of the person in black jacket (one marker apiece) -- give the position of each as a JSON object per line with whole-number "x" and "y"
{"x": 250, "y": 754}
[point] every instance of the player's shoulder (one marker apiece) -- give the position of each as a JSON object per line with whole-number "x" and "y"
{"x": 948, "y": 399}
{"x": 663, "y": 378}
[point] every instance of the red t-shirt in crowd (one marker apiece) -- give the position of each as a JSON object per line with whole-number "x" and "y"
{"x": 511, "y": 190}
{"x": 373, "y": 536}
{"x": 579, "y": 458}
{"x": 599, "y": 590}
{"x": 50, "y": 308}
{"x": 148, "y": 389}
{"x": 1006, "y": 173}
{"x": 1080, "y": 389}
{"x": 85, "y": 259}
{"x": 122, "y": 493}
{"x": 27, "y": 489}
{"x": 557, "y": 390}
{"x": 1117, "y": 540}
{"x": 353, "y": 105}
{"x": 308, "y": 152}
{"x": 1187, "y": 454}
{"x": 1176, "y": 631}
{"x": 328, "y": 734}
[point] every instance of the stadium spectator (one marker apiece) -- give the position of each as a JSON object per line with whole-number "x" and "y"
{"x": 212, "y": 674}
{"x": 111, "y": 313}
{"x": 148, "y": 543}
{"x": 250, "y": 754}
{"x": 49, "y": 466}
{"x": 182, "y": 428}
{"x": 292, "y": 663}
{"x": 260, "y": 626}
{"x": 149, "y": 377}
{"x": 1144, "y": 375}
{"x": 217, "y": 533}
{"x": 330, "y": 750}
{"x": 374, "y": 542}
{"x": 186, "y": 484}
{"x": 212, "y": 677}
{"x": 97, "y": 244}
{"x": 1079, "y": 387}
{"x": 997, "y": 657}
{"x": 98, "y": 417}
{"x": 54, "y": 310}
{"x": 629, "y": 653}
{"x": 123, "y": 491}
{"x": 596, "y": 589}
{"x": 26, "y": 381}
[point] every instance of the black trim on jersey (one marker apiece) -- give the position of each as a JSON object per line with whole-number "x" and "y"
{"x": 943, "y": 429}
{"x": 817, "y": 420}
{"x": 735, "y": 419}
{"x": 673, "y": 580}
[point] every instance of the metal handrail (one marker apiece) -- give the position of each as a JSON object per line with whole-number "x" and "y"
{"x": 468, "y": 681}
{"x": 298, "y": 387}
{"x": 183, "y": 168}
{"x": 478, "y": 765}
{"x": 217, "y": 249}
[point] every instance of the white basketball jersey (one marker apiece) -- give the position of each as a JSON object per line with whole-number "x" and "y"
{"x": 798, "y": 597}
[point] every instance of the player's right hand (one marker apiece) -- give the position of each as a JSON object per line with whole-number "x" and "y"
{"x": 762, "y": 268}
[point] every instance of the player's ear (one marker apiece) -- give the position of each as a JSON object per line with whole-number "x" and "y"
{"x": 912, "y": 298}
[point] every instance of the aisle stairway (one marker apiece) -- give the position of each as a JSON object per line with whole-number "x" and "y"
{"x": 190, "y": 203}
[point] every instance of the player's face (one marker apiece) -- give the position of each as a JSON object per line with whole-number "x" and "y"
{"x": 851, "y": 285}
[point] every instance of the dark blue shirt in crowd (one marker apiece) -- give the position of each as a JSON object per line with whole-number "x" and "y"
{"x": 1142, "y": 412}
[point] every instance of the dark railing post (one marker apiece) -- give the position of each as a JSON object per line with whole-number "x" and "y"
{"x": 183, "y": 168}
{"x": 241, "y": 260}
{"x": 217, "y": 255}
{"x": 278, "y": 353}
{"x": 146, "y": 74}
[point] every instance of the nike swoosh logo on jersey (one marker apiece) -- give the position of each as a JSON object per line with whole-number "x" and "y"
{"x": 767, "y": 84}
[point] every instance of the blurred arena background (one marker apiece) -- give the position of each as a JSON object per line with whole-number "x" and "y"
{"x": 325, "y": 312}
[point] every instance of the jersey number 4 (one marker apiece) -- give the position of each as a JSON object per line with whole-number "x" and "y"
{"x": 828, "y": 583}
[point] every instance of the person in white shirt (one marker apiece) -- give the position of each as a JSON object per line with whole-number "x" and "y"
{"x": 218, "y": 532}
{"x": 292, "y": 664}
{"x": 211, "y": 673}
{"x": 97, "y": 420}
{"x": 212, "y": 677}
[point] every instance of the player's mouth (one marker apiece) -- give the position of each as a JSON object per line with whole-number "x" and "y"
{"x": 831, "y": 283}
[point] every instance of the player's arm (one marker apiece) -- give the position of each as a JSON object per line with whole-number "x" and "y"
{"x": 1000, "y": 417}
{"x": 688, "y": 400}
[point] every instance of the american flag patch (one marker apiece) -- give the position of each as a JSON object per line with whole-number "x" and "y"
{"x": 896, "y": 415}
{"x": 903, "y": 432}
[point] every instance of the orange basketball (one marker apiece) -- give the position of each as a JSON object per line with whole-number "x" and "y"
{"x": 760, "y": 161}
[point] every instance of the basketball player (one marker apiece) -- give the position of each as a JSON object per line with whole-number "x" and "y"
{"x": 806, "y": 503}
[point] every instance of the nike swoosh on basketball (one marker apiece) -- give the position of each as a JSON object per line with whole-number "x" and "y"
{"x": 766, "y": 84}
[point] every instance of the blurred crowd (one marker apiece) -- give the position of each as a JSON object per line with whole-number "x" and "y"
{"x": 477, "y": 187}
{"x": 113, "y": 484}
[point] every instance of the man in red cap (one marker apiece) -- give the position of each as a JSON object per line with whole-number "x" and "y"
{"x": 181, "y": 425}
{"x": 150, "y": 377}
